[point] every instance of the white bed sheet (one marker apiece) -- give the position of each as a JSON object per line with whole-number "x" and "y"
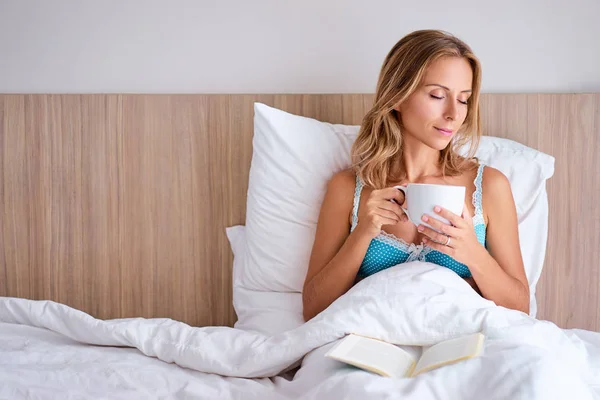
{"x": 502, "y": 372}
{"x": 418, "y": 304}
{"x": 36, "y": 363}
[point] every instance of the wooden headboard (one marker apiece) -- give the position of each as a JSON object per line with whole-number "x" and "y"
{"x": 117, "y": 204}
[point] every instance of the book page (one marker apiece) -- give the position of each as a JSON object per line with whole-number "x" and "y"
{"x": 449, "y": 351}
{"x": 373, "y": 355}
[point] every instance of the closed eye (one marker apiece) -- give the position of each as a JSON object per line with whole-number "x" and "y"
{"x": 440, "y": 98}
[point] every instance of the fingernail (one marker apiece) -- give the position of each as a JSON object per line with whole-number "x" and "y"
{"x": 420, "y": 228}
{"x": 437, "y": 209}
{"x": 424, "y": 218}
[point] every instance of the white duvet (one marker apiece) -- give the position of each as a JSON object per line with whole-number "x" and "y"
{"x": 415, "y": 304}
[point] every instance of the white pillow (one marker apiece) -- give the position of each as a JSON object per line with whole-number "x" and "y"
{"x": 293, "y": 159}
{"x": 262, "y": 311}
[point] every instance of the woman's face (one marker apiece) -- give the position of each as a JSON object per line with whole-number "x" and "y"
{"x": 437, "y": 109}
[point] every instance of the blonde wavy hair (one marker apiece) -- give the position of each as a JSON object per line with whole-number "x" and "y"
{"x": 379, "y": 141}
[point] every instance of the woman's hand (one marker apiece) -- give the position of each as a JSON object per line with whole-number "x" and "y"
{"x": 457, "y": 240}
{"x": 381, "y": 210}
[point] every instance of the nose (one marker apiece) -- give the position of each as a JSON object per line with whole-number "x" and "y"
{"x": 451, "y": 112}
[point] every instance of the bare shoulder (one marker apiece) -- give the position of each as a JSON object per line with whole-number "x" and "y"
{"x": 342, "y": 184}
{"x": 345, "y": 177}
{"x": 497, "y": 198}
{"x": 340, "y": 193}
{"x": 494, "y": 182}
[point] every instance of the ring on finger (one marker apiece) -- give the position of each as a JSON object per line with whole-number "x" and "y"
{"x": 447, "y": 241}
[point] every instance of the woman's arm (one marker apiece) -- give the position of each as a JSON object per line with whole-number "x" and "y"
{"x": 499, "y": 272}
{"x": 337, "y": 254}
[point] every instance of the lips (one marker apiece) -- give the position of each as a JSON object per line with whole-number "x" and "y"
{"x": 445, "y": 132}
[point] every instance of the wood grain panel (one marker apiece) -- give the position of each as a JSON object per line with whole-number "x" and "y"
{"x": 565, "y": 126}
{"x": 117, "y": 204}
{"x": 15, "y": 244}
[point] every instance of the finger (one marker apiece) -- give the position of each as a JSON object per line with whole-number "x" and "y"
{"x": 403, "y": 217}
{"x": 392, "y": 194}
{"x": 440, "y": 226}
{"x": 454, "y": 219}
{"x": 439, "y": 247}
{"x": 387, "y": 221}
{"x": 466, "y": 214}
{"x": 399, "y": 196}
{"x": 390, "y": 215}
{"x": 395, "y": 208}
{"x": 433, "y": 235}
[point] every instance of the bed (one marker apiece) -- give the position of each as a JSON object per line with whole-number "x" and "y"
{"x": 121, "y": 215}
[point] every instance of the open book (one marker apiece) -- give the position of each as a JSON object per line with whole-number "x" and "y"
{"x": 389, "y": 360}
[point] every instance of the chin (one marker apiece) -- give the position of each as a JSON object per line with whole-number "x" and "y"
{"x": 438, "y": 145}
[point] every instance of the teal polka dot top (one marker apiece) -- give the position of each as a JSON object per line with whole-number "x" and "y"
{"x": 387, "y": 250}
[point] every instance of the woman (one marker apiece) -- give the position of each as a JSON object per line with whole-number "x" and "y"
{"x": 426, "y": 107}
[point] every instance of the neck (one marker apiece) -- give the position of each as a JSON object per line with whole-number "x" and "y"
{"x": 420, "y": 161}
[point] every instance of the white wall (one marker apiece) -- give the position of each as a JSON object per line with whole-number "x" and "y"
{"x": 284, "y": 46}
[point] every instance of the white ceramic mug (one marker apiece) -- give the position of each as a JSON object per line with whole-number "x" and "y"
{"x": 421, "y": 198}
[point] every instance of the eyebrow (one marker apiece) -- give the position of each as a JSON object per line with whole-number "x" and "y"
{"x": 444, "y": 87}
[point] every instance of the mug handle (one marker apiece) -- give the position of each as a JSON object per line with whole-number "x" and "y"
{"x": 403, "y": 189}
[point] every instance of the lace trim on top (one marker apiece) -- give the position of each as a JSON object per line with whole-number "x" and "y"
{"x": 415, "y": 251}
{"x": 478, "y": 198}
{"x": 357, "y": 191}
